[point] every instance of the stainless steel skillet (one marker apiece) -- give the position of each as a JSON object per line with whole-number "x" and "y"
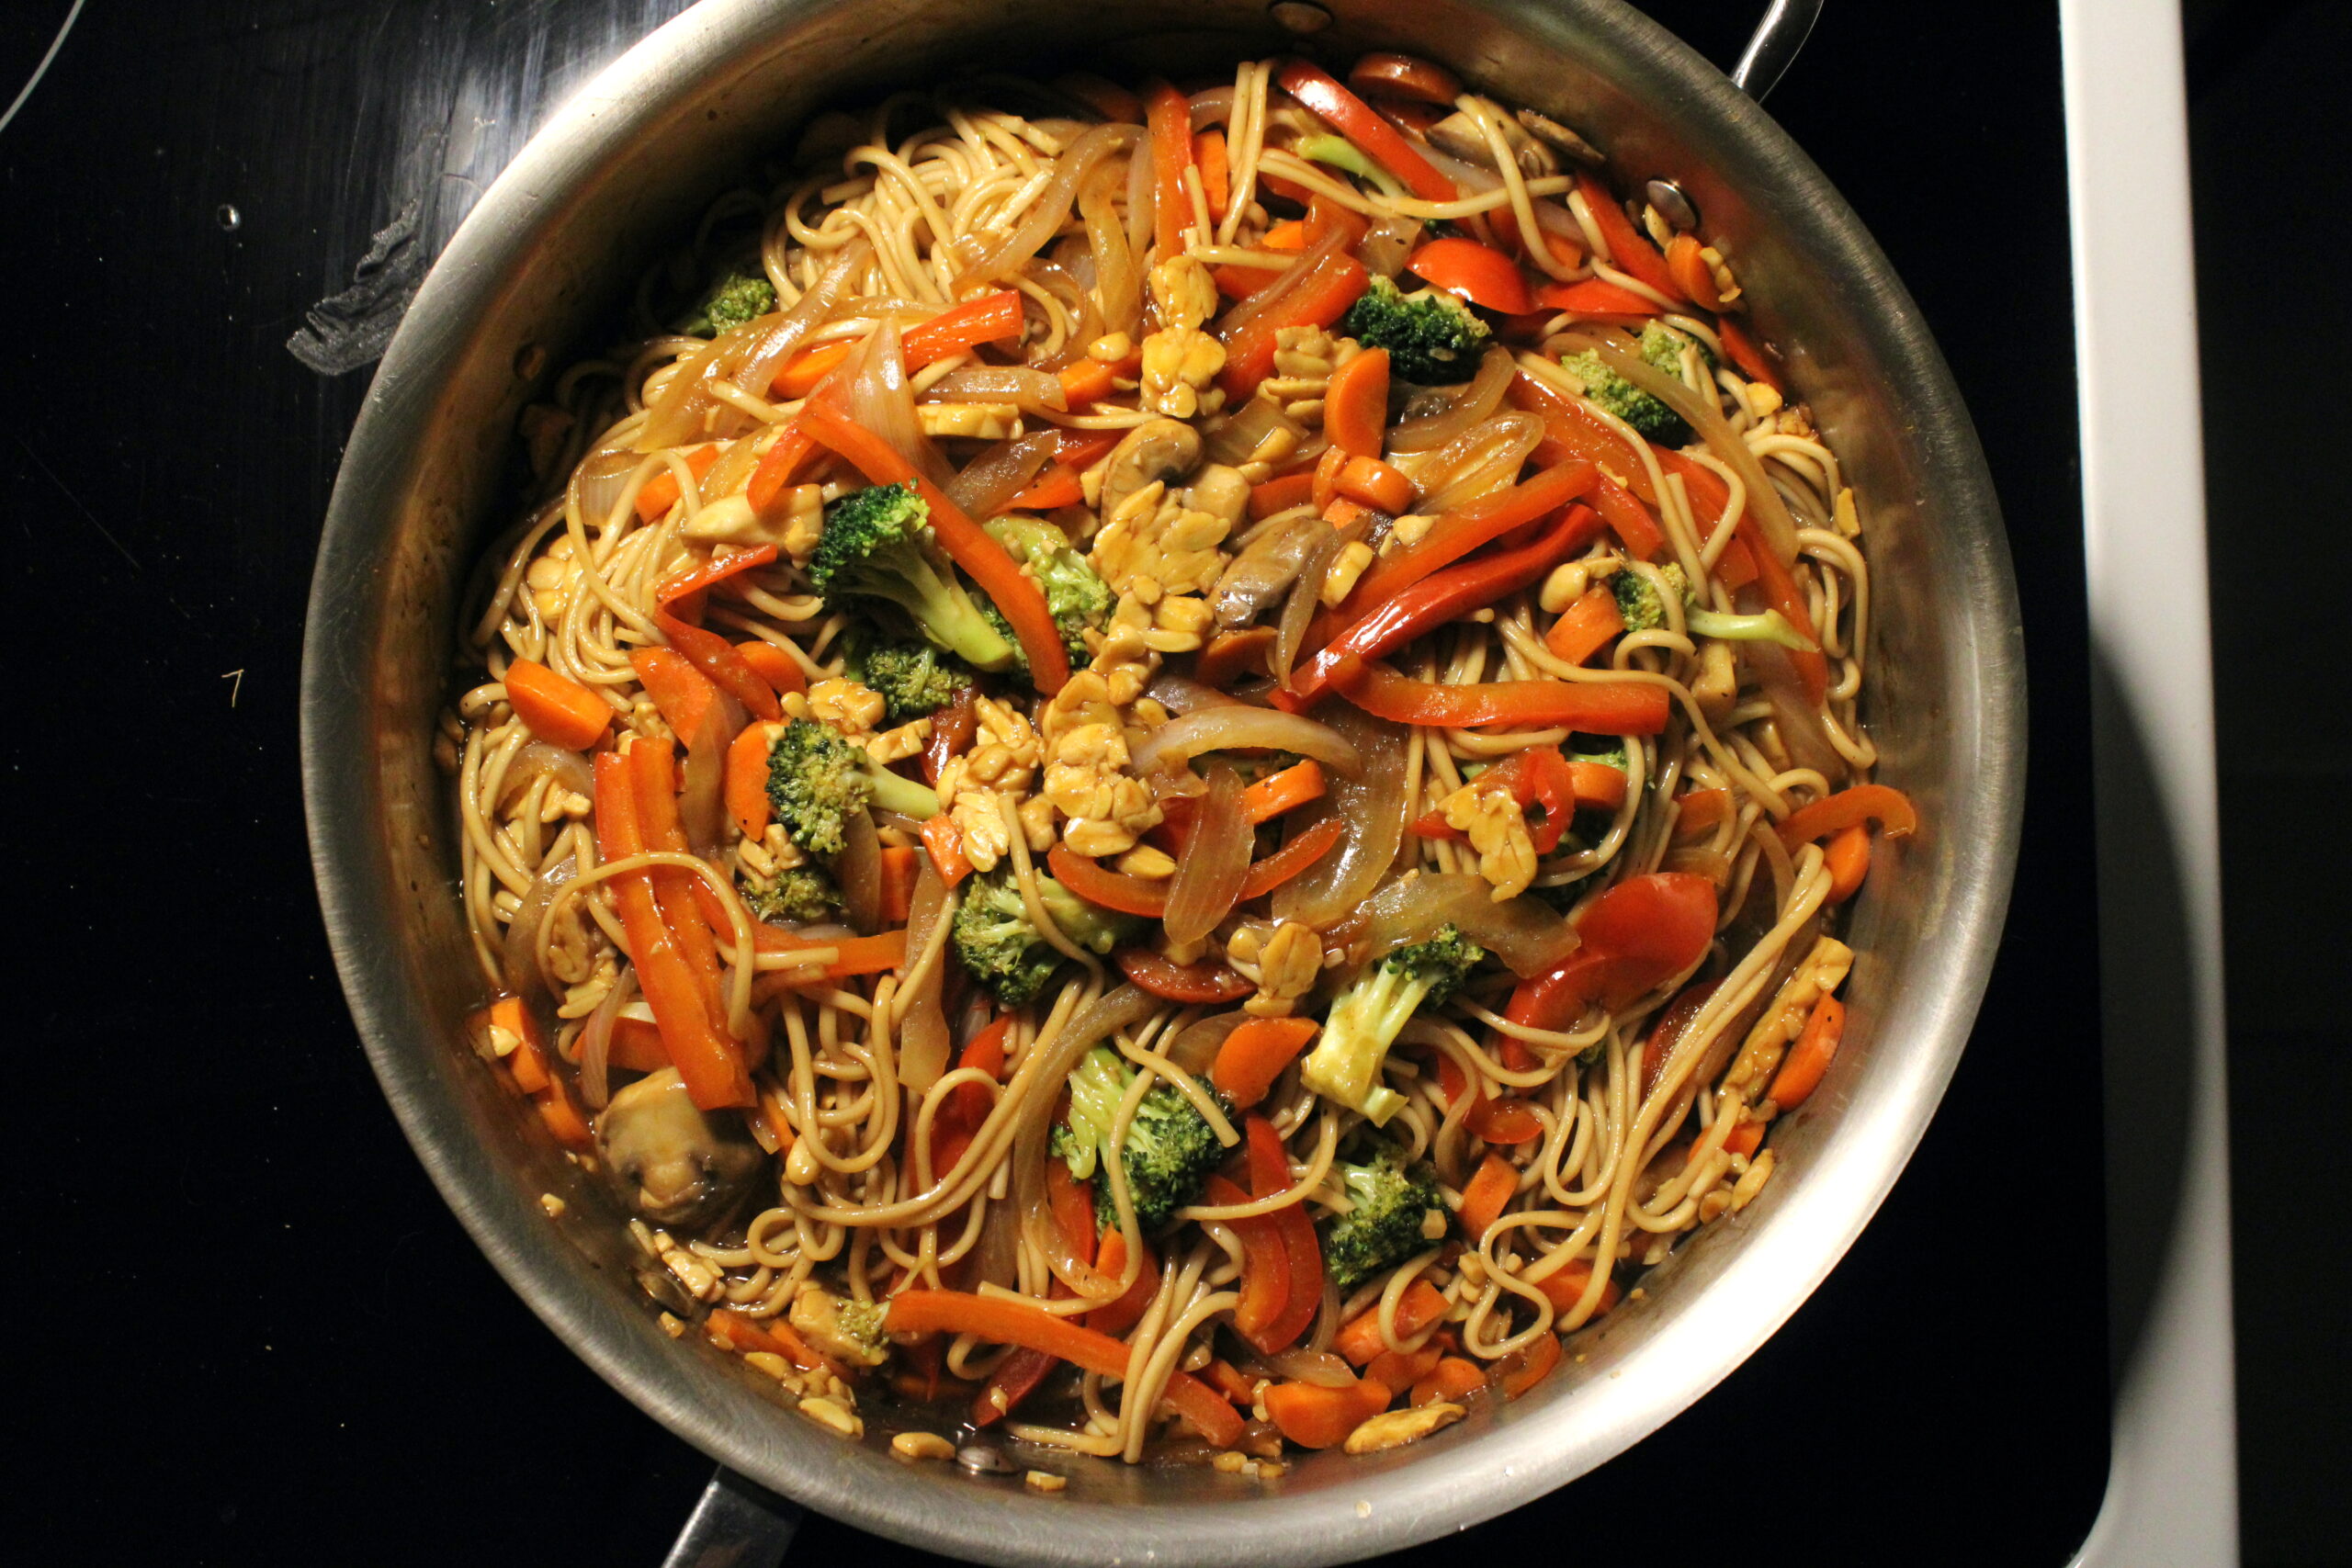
{"x": 551, "y": 251}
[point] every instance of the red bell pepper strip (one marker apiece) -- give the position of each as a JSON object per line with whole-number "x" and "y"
{"x": 1353, "y": 119}
{"x": 1266, "y": 1267}
{"x": 989, "y": 318}
{"x": 1440, "y": 597}
{"x": 1506, "y": 1119}
{"x": 1639, "y": 933}
{"x": 1269, "y": 1174}
{"x": 1594, "y": 297}
{"x": 1098, "y": 883}
{"x": 779, "y": 467}
{"x": 1008, "y": 1322}
{"x": 1751, "y": 357}
{"x": 717, "y": 658}
{"x": 1309, "y": 845}
{"x": 688, "y": 904}
{"x": 1119, "y": 1315}
{"x": 1630, "y": 250}
{"x": 1536, "y": 776}
{"x": 705, "y": 1058}
{"x": 1596, "y": 708}
{"x": 968, "y": 1104}
{"x": 1890, "y": 808}
{"x": 1322, "y": 297}
{"x": 1168, "y": 117}
{"x": 1016, "y": 592}
{"x": 682, "y": 594}
{"x": 659, "y": 493}
{"x": 1457, "y": 533}
{"x": 1207, "y": 981}
{"x": 1480, "y": 274}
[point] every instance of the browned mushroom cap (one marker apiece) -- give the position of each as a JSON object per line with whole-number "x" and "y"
{"x": 1459, "y": 135}
{"x": 1561, "y": 140}
{"x": 677, "y": 1163}
{"x": 1157, "y": 449}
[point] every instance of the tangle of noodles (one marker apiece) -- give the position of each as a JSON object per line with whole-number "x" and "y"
{"x": 814, "y": 1109}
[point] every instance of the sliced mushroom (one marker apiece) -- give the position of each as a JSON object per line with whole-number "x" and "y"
{"x": 1459, "y": 135}
{"x": 1561, "y": 140}
{"x": 1156, "y": 449}
{"x": 1271, "y": 563}
{"x": 680, "y": 1163}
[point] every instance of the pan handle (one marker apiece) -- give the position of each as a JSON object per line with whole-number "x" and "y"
{"x": 738, "y": 1524}
{"x": 1774, "y": 47}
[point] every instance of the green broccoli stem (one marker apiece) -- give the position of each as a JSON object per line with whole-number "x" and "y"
{"x": 944, "y": 610}
{"x": 894, "y": 792}
{"x": 1364, "y": 1022}
{"x": 1768, "y": 626}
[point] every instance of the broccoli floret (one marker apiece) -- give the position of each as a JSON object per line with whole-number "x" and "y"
{"x": 736, "y": 297}
{"x": 1344, "y": 1066}
{"x": 817, "y": 779}
{"x": 1000, "y": 948}
{"x": 862, "y": 1320}
{"x": 1168, "y": 1151}
{"x": 1662, "y": 348}
{"x": 802, "y": 893}
{"x": 1638, "y": 603}
{"x": 877, "y": 544}
{"x": 1075, "y": 596}
{"x": 1431, "y": 337}
{"x": 1608, "y": 751}
{"x": 1390, "y": 1221}
{"x": 913, "y": 678}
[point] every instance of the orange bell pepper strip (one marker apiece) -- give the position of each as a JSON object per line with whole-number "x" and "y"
{"x": 899, "y": 863}
{"x": 1353, "y": 119}
{"x": 773, "y": 1334}
{"x": 998, "y": 576}
{"x": 560, "y": 712}
{"x": 1702, "y": 811}
{"x": 688, "y": 906}
{"x": 1255, "y": 1053}
{"x": 1055, "y": 487}
{"x": 1848, "y": 854}
{"x": 1167, "y": 122}
{"x": 1281, "y": 494}
{"x": 1507, "y": 1120}
{"x": 1890, "y": 808}
{"x": 1630, "y": 250}
{"x": 1007, "y": 1322}
{"x": 1316, "y": 1416}
{"x": 1450, "y": 1381}
{"x": 705, "y": 1058}
{"x": 1285, "y": 791}
{"x": 944, "y": 843}
{"x": 967, "y": 1105}
{"x": 992, "y": 318}
{"x": 1596, "y": 708}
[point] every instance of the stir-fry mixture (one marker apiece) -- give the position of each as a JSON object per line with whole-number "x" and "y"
{"x": 1172, "y": 771}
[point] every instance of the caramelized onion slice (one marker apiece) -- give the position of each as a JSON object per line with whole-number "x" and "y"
{"x": 1241, "y": 728}
{"x": 1526, "y": 933}
{"x": 1370, "y": 808}
{"x": 1217, "y": 862}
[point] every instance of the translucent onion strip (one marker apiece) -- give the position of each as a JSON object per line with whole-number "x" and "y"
{"x": 1052, "y": 206}
{"x": 1217, "y": 862}
{"x": 1370, "y": 808}
{"x": 1246, "y": 729}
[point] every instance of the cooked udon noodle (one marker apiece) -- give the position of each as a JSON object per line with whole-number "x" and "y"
{"x": 1620, "y": 679}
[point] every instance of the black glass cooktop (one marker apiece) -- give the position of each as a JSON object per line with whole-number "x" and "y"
{"x": 262, "y": 1338}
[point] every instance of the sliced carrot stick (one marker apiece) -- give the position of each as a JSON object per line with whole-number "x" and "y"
{"x": 1810, "y": 1057}
{"x": 779, "y": 467}
{"x": 527, "y": 1057}
{"x": 636, "y": 1046}
{"x": 1089, "y": 381}
{"x": 1450, "y": 1379}
{"x": 1285, "y": 790}
{"x": 563, "y": 1117}
{"x": 1596, "y": 786}
{"x": 1356, "y": 405}
{"x": 898, "y": 883}
{"x": 773, "y": 665}
{"x": 1585, "y": 627}
{"x": 944, "y": 841}
{"x": 1691, "y": 271}
{"x": 747, "y": 778}
{"x": 1528, "y": 1365}
{"x": 1168, "y": 117}
{"x": 1210, "y": 156}
{"x": 1848, "y": 852}
{"x": 1055, "y": 486}
{"x": 803, "y": 370}
{"x": 559, "y": 712}
{"x": 1119, "y": 1317}
{"x": 1746, "y": 1138}
{"x": 1311, "y": 845}
{"x": 1563, "y": 1288}
{"x": 1255, "y": 1053}
{"x": 660, "y": 493}
{"x": 1403, "y": 1368}
{"x": 1315, "y": 1416}
{"x": 1488, "y": 1191}
{"x": 1890, "y": 808}
{"x": 1374, "y": 483}
{"x": 1280, "y": 495}
{"x": 773, "y": 1334}
{"x": 1702, "y": 811}
{"x": 1326, "y": 480}
{"x": 852, "y": 954}
{"x": 1360, "y": 1341}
